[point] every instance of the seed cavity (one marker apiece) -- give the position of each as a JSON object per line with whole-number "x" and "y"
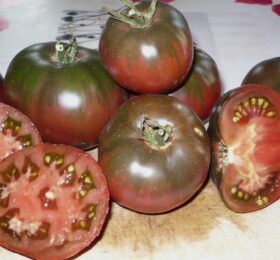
{"x": 55, "y": 159}
{"x": 26, "y": 140}
{"x": 254, "y": 106}
{"x": 91, "y": 210}
{"x": 85, "y": 223}
{"x": 10, "y": 174}
{"x": 11, "y": 224}
{"x": 30, "y": 169}
{"x": 239, "y": 194}
{"x": 11, "y": 125}
{"x": 86, "y": 184}
{"x": 81, "y": 224}
{"x": 68, "y": 175}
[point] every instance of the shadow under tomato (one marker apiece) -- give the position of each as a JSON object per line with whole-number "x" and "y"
{"x": 191, "y": 222}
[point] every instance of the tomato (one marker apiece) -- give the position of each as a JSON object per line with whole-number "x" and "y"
{"x": 17, "y": 131}
{"x": 53, "y": 203}
{"x": 244, "y": 130}
{"x": 154, "y": 153}
{"x": 202, "y": 87}
{"x": 69, "y": 101}
{"x": 266, "y": 72}
{"x": 1, "y": 88}
{"x": 151, "y": 51}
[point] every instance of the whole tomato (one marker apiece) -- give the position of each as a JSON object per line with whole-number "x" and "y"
{"x": 147, "y": 47}
{"x": 154, "y": 153}
{"x": 202, "y": 87}
{"x": 1, "y": 88}
{"x": 64, "y": 90}
{"x": 244, "y": 131}
{"x": 266, "y": 72}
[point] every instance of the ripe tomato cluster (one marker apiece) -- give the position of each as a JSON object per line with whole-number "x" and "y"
{"x": 141, "y": 99}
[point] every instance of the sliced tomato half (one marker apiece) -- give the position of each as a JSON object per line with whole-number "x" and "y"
{"x": 16, "y": 131}
{"x": 53, "y": 201}
{"x": 245, "y": 136}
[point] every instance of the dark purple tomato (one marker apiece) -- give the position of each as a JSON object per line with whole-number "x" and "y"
{"x": 69, "y": 101}
{"x": 202, "y": 87}
{"x": 154, "y": 153}
{"x": 244, "y": 131}
{"x": 266, "y": 72}
{"x": 149, "y": 53}
{"x": 54, "y": 200}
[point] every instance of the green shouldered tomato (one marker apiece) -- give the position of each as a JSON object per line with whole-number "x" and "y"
{"x": 64, "y": 90}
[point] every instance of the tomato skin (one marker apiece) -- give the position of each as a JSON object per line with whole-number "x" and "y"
{"x": 202, "y": 86}
{"x": 244, "y": 131}
{"x": 69, "y": 103}
{"x": 31, "y": 208}
{"x": 149, "y": 180}
{"x": 266, "y": 72}
{"x": 154, "y": 59}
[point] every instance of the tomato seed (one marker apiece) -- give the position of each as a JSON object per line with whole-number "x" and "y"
{"x": 81, "y": 194}
{"x": 71, "y": 168}
{"x": 11, "y": 124}
{"x": 47, "y": 159}
{"x": 233, "y": 190}
{"x": 83, "y": 224}
{"x": 270, "y": 114}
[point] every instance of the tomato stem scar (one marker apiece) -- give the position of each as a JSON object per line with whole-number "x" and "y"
{"x": 157, "y": 136}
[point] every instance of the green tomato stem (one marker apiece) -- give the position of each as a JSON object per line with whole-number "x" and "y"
{"x": 155, "y": 135}
{"x": 134, "y": 17}
{"x": 66, "y": 53}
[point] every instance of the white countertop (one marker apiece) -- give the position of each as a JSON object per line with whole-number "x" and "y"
{"x": 237, "y": 36}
